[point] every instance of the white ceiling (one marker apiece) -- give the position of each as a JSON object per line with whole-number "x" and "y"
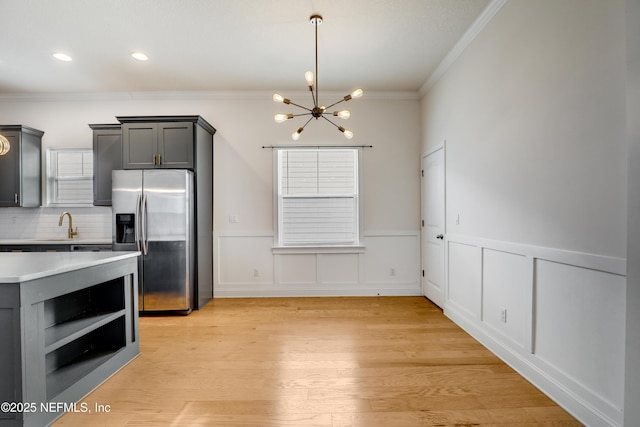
{"x": 224, "y": 45}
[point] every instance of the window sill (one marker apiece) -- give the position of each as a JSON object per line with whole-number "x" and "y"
{"x": 284, "y": 250}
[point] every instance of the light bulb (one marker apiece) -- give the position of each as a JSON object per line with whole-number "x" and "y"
{"x": 278, "y": 98}
{"x": 308, "y": 76}
{"x": 282, "y": 117}
{"x": 5, "y": 146}
{"x": 296, "y": 135}
{"x": 347, "y": 133}
{"x": 355, "y": 94}
{"x": 344, "y": 114}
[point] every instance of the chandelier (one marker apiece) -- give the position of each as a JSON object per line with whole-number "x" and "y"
{"x": 318, "y": 111}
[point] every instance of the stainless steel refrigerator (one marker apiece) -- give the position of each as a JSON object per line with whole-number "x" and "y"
{"x": 153, "y": 212}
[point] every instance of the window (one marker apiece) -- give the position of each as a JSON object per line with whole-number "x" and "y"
{"x": 318, "y": 197}
{"x": 69, "y": 177}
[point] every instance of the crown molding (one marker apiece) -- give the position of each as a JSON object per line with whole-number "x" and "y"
{"x": 192, "y": 95}
{"x": 478, "y": 25}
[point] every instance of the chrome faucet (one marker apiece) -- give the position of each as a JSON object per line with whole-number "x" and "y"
{"x": 71, "y": 232}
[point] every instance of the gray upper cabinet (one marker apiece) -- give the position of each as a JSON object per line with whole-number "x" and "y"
{"x": 157, "y": 145}
{"x": 148, "y": 142}
{"x": 107, "y": 156}
{"x": 20, "y": 168}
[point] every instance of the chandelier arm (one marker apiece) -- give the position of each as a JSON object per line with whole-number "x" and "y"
{"x": 314, "y": 97}
{"x": 300, "y": 106}
{"x": 310, "y": 118}
{"x": 302, "y": 114}
{"x": 330, "y": 121}
{"x": 335, "y": 103}
{"x": 347, "y": 133}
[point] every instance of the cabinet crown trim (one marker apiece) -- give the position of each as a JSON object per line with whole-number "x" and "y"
{"x": 21, "y": 128}
{"x": 199, "y": 120}
{"x": 105, "y": 126}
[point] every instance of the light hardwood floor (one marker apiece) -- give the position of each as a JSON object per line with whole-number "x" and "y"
{"x": 364, "y": 361}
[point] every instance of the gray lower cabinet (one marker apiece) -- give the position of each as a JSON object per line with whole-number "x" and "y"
{"x": 62, "y": 247}
{"x": 35, "y": 248}
{"x": 107, "y": 156}
{"x": 20, "y": 176}
{"x": 62, "y": 336}
{"x": 157, "y": 145}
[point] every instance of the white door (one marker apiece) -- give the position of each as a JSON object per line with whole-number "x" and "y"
{"x": 433, "y": 226}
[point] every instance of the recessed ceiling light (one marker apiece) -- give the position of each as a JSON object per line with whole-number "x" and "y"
{"x": 62, "y": 56}
{"x": 139, "y": 56}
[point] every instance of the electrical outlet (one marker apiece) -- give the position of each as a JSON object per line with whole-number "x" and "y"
{"x": 503, "y": 315}
{"x": 233, "y": 219}
{"x": 392, "y": 272}
{"x": 256, "y": 273}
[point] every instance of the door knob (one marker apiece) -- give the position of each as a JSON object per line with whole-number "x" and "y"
{"x": 440, "y": 236}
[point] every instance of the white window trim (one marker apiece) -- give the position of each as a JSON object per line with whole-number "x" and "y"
{"x": 357, "y": 247}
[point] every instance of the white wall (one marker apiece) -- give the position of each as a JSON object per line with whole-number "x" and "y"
{"x": 243, "y": 183}
{"x": 533, "y": 114}
{"x": 632, "y": 371}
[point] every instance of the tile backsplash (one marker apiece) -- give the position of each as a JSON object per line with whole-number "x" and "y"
{"x": 42, "y": 223}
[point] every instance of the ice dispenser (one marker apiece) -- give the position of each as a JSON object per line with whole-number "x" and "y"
{"x": 125, "y": 228}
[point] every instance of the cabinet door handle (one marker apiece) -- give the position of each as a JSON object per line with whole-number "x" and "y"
{"x": 154, "y": 160}
{"x": 159, "y": 159}
{"x": 15, "y": 198}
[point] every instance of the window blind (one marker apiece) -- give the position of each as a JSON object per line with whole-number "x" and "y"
{"x": 71, "y": 176}
{"x": 318, "y": 196}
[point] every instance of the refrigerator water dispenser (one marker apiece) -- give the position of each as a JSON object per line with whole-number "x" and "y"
{"x": 125, "y": 228}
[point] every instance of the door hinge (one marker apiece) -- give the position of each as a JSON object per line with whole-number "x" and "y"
{"x": 422, "y": 273}
{"x": 423, "y": 222}
{"x": 422, "y": 172}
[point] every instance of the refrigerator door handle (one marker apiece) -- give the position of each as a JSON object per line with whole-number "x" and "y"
{"x": 137, "y": 217}
{"x": 145, "y": 242}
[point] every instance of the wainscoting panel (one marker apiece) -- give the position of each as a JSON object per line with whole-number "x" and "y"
{"x": 563, "y": 326}
{"x": 465, "y": 279}
{"x": 244, "y": 260}
{"x": 338, "y": 269}
{"x": 506, "y": 288}
{"x": 388, "y": 263}
{"x": 580, "y": 329}
{"x": 392, "y": 258}
{"x": 296, "y": 270}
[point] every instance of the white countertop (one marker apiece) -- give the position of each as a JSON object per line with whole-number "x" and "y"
{"x": 24, "y": 266}
{"x": 55, "y": 241}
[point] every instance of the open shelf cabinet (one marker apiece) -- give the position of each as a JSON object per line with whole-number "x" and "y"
{"x": 74, "y": 330}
